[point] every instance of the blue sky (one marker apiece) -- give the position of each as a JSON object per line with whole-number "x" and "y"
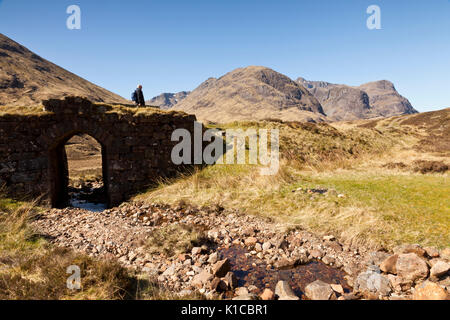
{"x": 170, "y": 46}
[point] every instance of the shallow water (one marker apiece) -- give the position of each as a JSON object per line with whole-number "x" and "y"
{"x": 90, "y": 197}
{"x": 89, "y": 206}
{"x": 298, "y": 277}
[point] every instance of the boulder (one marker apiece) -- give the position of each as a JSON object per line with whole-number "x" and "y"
{"x": 316, "y": 253}
{"x": 201, "y": 279}
{"x": 389, "y": 265}
{"x": 230, "y": 280}
{"x": 250, "y": 241}
{"x": 337, "y": 288}
{"x": 429, "y": 291}
{"x": 328, "y": 260}
{"x": 267, "y": 295}
{"x": 284, "y": 263}
{"x": 409, "y": 266}
{"x": 432, "y": 252}
{"x": 372, "y": 282}
{"x": 213, "y": 258}
{"x": 218, "y": 284}
{"x": 221, "y": 268}
{"x": 284, "y": 291}
{"x": 410, "y": 248}
{"x": 439, "y": 269}
{"x": 376, "y": 258}
{"x": 399, "y": 284}
{"x": 266, "y": 246}
{"x": 319, "y": 290}
{"x": 241, "y": 291}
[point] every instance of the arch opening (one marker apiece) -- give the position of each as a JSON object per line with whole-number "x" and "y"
{"x": 78, "y": 173}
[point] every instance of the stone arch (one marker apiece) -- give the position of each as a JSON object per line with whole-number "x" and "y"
{"x": 136, "y": 147}
{"x": 54, "y": 140}
{"x": 58, "y": 169}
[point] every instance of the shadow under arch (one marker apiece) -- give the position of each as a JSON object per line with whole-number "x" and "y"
{"x": 59, "y": 170}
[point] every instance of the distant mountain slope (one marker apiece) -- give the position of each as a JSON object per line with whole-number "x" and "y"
{"x": 252, "y": 93}
{"x": 27, "y": 79}
{"x": 385, "y": 99}
{"x": 370, "y": 100}
{"x": 167, "y": 100}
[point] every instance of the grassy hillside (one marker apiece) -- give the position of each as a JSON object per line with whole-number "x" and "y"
{"x": 373, "y": 172}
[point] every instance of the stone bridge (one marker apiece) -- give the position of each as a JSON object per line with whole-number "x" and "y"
{"x": 136, "y": 147}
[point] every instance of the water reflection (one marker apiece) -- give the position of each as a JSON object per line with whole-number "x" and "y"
{"x": 253, "y": 271}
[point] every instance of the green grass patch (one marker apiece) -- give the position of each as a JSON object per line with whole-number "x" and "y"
{"x": 416, "y": 206}
{"x": 379, "y": 208}
{"x": 8, "y": 204}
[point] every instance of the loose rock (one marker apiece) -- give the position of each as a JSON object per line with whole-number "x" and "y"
{"x": 411, "y": 267}
{"x": 390, "y": 264}
{"x": 319, "y": 290}
{"x": 241, "y": 291}
{"x": 230, "y": 280}
{"x": 429, "y": 291}
{"x": 201, "y": 279}
{"x": 439, "y": 269}
{"x": 251, "y": 241}
{"x": 221, "y": 268}
{"x": 373, "y": 282}
{"x": 267, "y": 295}
{"x": 284, "y": 291}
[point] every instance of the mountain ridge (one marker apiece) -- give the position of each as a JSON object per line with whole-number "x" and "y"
{"x": 252, "y": 93}
{"x": 370, "y": 100}
{"x": 167, "y": 100}
{"x": 238, "y": 91}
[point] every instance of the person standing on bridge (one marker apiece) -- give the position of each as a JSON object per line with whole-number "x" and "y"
{"x": 138, "y": 96}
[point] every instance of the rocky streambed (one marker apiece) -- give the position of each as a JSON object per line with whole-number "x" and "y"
{"x": 245, "y": 257}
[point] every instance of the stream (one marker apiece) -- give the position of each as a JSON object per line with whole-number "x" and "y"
{"x": 253, "y": 271}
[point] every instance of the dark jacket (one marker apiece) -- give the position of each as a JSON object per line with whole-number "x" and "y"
{"x": 140, "y": 97}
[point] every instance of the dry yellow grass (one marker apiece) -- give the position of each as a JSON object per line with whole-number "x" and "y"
{"x": 380, "y": 207}
{"x": 30, "y": 268}
{"x": 33, "y": 269}
{"x": 174, "y": 239}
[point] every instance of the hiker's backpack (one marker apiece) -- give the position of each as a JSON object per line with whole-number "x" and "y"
{"x": 134, "y": 96}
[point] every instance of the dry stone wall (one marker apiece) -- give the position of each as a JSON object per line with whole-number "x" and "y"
{"x": 136, "y": 147}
